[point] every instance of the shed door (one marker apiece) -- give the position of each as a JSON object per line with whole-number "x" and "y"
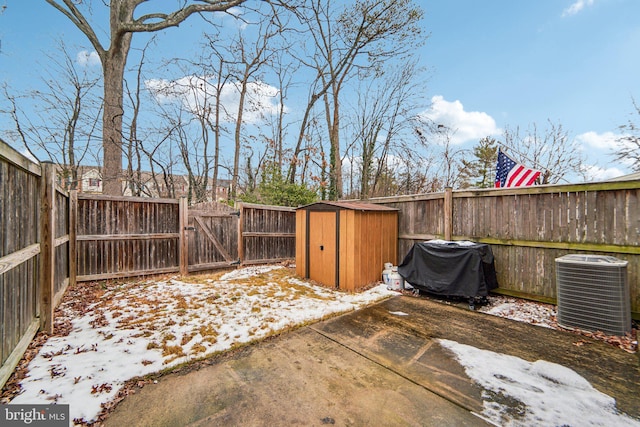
{"x": 322, "y": 247}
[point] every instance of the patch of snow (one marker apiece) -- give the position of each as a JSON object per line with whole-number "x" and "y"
{"x": 522, "y": 311}
{"x": 145, "y": 327}
{"x": 549, "y": 394}
{"x": 246, "y": 272}
{"x": 139, "y": 328}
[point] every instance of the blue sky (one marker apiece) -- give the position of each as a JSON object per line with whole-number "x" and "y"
{"x": 492, "y": 64}
{"x": 522, "y": 62}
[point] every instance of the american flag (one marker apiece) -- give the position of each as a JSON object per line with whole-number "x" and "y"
{"x": 512, "y": 174}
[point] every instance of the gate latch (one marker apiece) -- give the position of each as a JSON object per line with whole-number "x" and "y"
{"x": 190, "y": 228}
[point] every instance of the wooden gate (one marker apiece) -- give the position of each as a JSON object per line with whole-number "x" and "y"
{"x": 212, "y": 236}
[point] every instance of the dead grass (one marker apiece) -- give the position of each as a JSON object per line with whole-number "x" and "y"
{"x": 204, "y": 279}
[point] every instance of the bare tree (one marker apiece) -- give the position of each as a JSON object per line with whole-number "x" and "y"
{"x": 203, "y": 88}
{"x": 221, "y": 74}
{"x": 62, "y": 122}
{"x": 283, "y": 70}
{"x": 249, "y": 60}
{"x": 450, "y": 157}
{"x": 628, "y": 148}
{"x": 123, "y": 23}
{"x": 193, "y": 136}
{"x": 357, "y": 39}
{"x": 134, "y": 151}
{"x": 551, "y": 151}
{"x": 382, "y": 128}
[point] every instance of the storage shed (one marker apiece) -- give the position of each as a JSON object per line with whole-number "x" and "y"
{"x": 344, "y": 245}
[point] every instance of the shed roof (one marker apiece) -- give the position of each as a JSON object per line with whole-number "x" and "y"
{"x": 630, "y": 177}
{"x": 356, "y": 206}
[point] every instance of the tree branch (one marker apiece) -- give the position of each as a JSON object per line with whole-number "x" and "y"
{"x": 167, "y": 20}
{"x": 78, "y": 19}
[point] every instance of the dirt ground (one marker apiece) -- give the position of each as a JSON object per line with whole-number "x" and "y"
{"x": 369, "y": 367}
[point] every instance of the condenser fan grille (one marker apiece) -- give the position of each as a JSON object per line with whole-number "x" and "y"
{"x": 593, "y": 293}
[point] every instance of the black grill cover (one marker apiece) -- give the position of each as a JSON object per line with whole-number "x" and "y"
{"x": 450, "y": 269}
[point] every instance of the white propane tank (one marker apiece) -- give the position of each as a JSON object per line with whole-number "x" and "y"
{"x": 386, "y": 272}
{"x": 396, "y": 282}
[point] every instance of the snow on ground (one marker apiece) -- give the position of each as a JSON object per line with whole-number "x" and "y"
{"x": 522, "y": 311}
{"x": 138, "y": 328}
{"x": 549, "y": 394}
{"x": 145, "y": 327}
{"x": 546, "y": 315}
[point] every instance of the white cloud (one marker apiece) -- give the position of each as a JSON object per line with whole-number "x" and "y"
{"x": 199, "y": 92}
{"x": 235, "y": 11}
{"x": 237, "y": 18}
{"x": 607, "y": 140}
{"x": 601, "y": 146}
{"x": 465, "y": 125}
{"x": 88, "y": 59}
{"x": 597, "y": 173}
{"x": 576, "y": 7}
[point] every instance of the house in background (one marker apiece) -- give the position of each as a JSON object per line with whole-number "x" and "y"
{"x": 90, "y": 182}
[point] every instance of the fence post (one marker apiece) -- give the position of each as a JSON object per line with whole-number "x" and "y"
{"x": 240, "y": 208}
{"x": 183, "y": 220}
{"x": 448, "y": 212}
{"x": 47, "y": 245}
{"x": 73, "y": 233}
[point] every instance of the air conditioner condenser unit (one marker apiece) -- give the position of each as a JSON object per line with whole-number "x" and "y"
{"x": 593, "y": 293}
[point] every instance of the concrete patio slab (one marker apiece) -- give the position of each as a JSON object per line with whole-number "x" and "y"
{"x": 378, "y": 366}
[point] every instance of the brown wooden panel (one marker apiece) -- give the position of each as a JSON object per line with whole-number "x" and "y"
{"x": 212, "y": 240}
{"x": 528, "y": 228}
{"x": 362, "y": 249}
{"x": 301, "y": 243}
{"x": 119, "y": 236}
{"x": 347, "y": 240}
{"x": 322, "y": 247}
{"x": 268, "y": 232}
{"x": 20, "y": 247}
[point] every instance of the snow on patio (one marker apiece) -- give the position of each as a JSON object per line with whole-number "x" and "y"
{"x": 547, "y": 394}
{"x": 132, "y": 329}
{"x": 143, "y": 327}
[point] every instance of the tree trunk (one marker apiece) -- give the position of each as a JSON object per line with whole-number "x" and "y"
{"x": 112, "y": 118}
{"x": 335, "y": 142}
{"x": 238, "y": 142}
{"x": 114, "y": 61}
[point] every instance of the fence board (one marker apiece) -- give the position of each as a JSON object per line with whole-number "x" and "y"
{"x": 267, "y": 233}
{"x": 126, "y": 236}
{"x": 529, "y": 228}
{"x": 212, "y": 237}
{"x": 21, "y": 259}
{"x": 19, "y": 249}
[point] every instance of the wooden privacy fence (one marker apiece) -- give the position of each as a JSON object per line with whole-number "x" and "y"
{"x": 211, "y": 236}
{"x": 109, "y": 237}
{"x": 35, "y": 242}
{"x": 126, "y": 236}
{"x": 267, "y": 233}
{"x": 528, "y": 228}
{"x": 219, "y": 236}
